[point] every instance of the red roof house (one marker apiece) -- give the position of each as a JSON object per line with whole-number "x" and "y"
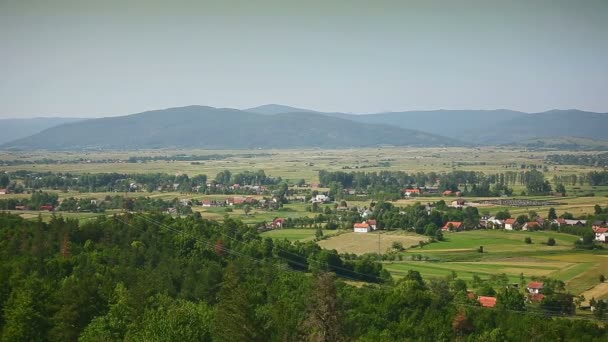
{"x": 535, "y": 287}
{"x": 362, "y": 227}
{"x": 455, "y": 225}
{"x": 487, "y": 302}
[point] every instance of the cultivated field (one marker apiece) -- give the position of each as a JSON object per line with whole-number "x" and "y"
{"x": 377, "y": 242}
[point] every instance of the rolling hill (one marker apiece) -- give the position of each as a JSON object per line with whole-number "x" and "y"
{"x": 493, "y": 127}
{"x": 207, "y": 127}
{"x": 13, "y": 129}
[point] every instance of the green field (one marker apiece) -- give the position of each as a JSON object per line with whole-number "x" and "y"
{"x": 504, "y": 252}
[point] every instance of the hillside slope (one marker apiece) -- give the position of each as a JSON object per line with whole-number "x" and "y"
{"x": 13, "y": 129}
{"x": 207, "y": 127}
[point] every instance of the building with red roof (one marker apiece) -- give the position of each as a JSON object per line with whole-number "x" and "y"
{"x": 487, "y": 302}
{"x": 535, "y": 287}
{"x": 452, "y": 225}
{"x": 362, "y": 227}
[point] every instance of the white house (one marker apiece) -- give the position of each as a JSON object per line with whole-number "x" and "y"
{"x": 535, "y": 287}
{"x": 496, "y": 222}
{"x": 320, "y": 199}
{"x": 363, "y": 227}
{"x": 510, "y": 224}
{"x": 601, "y": 234}
{"x": 3, "y": 191}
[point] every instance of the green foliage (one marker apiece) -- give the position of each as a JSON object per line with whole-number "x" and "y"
{"x": 158, "y": 278}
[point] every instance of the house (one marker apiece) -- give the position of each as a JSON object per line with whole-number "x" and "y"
{"x": 447, "y": 193}
{"x": 452, "y": 225}
{"x": 459, "y": 203}
{"x": 373, "y": 224}
{"x": 487, "y": 302}
{"x": 207, "y": 203}
{"x": 601, "y": 234}
{"x": 564, "y": 222}
{"x": 46, "y": 207}
{"x": 531, "y": 226}
{"x": 496, "y": 223}
{"x": 278, "y": 222}
{"x": 20, "y": 207}
{"x": 320, "y": 199}
{"x": 365, "y": 213}
{"x": 363, "y": 227}
{"x": 3, "y": 191}
{"x": 410, "y": 192}
{"x": 536, "y": 297}
{"x": 535, "y": 287}
{"x": 510, "y": 223}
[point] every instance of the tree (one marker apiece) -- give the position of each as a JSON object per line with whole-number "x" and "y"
{"x": 602, "y": 278}
{"x": 319, "y": 233}
{"x": 528, "y": 240}
{"x": 552, "y": 214}
{"x": 4, "y": 180}
{"x": 560, "y": 189}
{"x": 503, "y": 215}
{"x": 324, "y": 320}
{"x": 510, "y": 299}
{"x": 234, "y": 313}
{"x": 551, "y": 241}
{"x": 396, "y": 245}
{"x": 247, "y": 209}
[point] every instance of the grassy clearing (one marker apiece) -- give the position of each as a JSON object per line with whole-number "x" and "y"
{"x": 499, "y": 241}
{"x": 296, "y": 234}
{"x": 361, "y": 243}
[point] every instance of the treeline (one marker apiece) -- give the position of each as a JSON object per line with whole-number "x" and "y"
{"x": 39, "y": 200}
{"x": 596, "y": 160}
{"x": 132, "y": 159}
{"x": 122, "y": 182}
{"x": 154, "y": 277}
{"x": 188, "y": 157}
{"x": 471, "y": 183}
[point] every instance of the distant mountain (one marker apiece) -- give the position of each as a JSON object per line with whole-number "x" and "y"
{"x": 493, "y": 127}
{"x": 207, "y": 127}
{"x": 273, "y": 109}
{"x": 13, "y": 129}
{"x": 551, "y": 124}
{"x": 463, "y": 124}
{"x": 564, "y": 143}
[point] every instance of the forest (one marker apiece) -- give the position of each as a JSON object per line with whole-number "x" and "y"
{"x": 158, "y": 278}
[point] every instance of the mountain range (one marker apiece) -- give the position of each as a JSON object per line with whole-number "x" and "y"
{"x": 279, "y": 126}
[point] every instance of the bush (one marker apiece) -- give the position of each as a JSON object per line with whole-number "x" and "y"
{"x": 528, "y": 240}
{"x": 551, "y": 241}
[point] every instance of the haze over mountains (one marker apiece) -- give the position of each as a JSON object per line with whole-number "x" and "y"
{"x": 278, "y": 126}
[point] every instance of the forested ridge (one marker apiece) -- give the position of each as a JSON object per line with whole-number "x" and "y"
{"x": 154, "y": 277}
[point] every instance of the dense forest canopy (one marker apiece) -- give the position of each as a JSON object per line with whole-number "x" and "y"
{"x": 153, "y": 277}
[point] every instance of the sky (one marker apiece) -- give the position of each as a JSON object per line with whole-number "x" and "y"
{"x": 105, "y": 58}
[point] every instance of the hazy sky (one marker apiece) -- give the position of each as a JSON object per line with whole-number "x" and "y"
{"x": 102, "y": 58}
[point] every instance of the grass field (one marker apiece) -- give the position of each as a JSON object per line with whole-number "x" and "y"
{"x": 504, "y": 252}
{"x": 298, "y": 234}
{"x": 360, "y": 243}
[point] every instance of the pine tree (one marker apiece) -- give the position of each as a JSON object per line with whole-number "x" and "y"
{"x": 324, "y": 320}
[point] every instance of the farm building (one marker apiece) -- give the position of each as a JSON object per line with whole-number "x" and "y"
{"x": 531, "y": 226}
{"x": 362, "y": 228}
{"x": 487, "y": 302}
{"x": 535, "y": 287}
{"x": 452, "y": 225}
{"x": 601, "y": 234}
{"x": 3, "y": 191}
{"x": 510, "y": 223}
